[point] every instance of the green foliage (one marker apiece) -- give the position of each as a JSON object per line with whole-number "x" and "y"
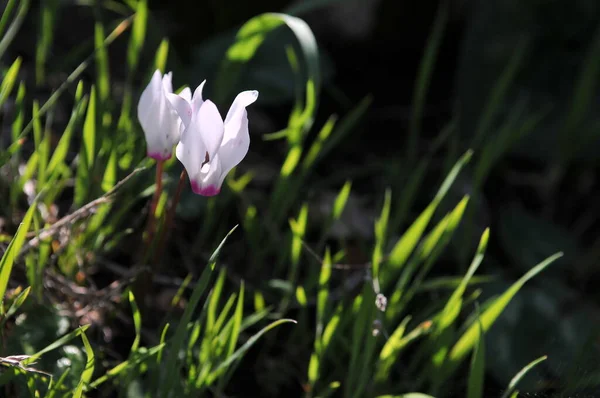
{"x": 382, "y": 324}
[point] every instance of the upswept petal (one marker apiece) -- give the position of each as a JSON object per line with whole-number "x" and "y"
{"x": 236, "y": 138}
{"x": 181, "y": 106}
{"x": 186, "y": 94}
{"x": 209, "y": 124}
{"x": 197, "y": 99}
{"x": 241, "y": 101}
{"x": 167, "y": 82}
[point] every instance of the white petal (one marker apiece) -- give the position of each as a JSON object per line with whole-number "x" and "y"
{"x": 181, "y": 106}
{"x": 236, "y": 138}
{"x": 151, "y": 92}
{"x": 186, "y": 94}
{"x": 197, "y": 100}
{"x": 167, "y": 81}
{"x": 210, "y": 126}
{"x": 191, "y": 150}
{"x": 157, "y": 118}
{"x": 240, "y": 103}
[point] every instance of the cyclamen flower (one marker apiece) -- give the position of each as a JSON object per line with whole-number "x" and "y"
{"x": 210, "y": 147}
{"x": 161, "y": 124}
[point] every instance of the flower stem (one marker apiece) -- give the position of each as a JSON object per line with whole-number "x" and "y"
{"x": 169, "y": 219}
{"x": 151, "y": 224}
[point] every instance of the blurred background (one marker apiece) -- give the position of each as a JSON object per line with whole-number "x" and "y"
{"x": 414, "y": 85}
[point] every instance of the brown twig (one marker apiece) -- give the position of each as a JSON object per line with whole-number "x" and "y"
{"x": 78, "y": 214}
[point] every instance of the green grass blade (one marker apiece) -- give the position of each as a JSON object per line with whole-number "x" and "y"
{"x": 6, "y": 14}
{"x": 423, "y": 80}
{"x": 9, "y": 80}
{"x": 57, "y": 343}
{"x": 102, "y": 71}
{"x": 48, "y": 12}
{"x": 87, "y": 153}
{"x": 380, "y": 236}
{"x": 162, "y": 53}
{"x": 390, "y": 351}
{"x": 177, "y": 341}
{"x": 237, "y": 322}
{"x": 62, "y": 148}
{"x": 138, "y": 34}
{"x": 12, "y": 251}
{"x": 515, "y": 380}
{"x": 137, "y": 323}
{"x": 14, "y": 27}
{"x": 17, "y": 302}
{"x": 498, "y": 94}
{"x": 406, "y": 244}
{"x": 249, "y": 343}
{"x": 251, "y": 36}
{"x": 489, "y": 316}
{"x": 477, "y": 368}
{"x": 88, "y": 371}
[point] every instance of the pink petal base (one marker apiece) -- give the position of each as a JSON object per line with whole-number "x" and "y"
{"x": 210, "y": 190}
{"x": 158, "y": 156}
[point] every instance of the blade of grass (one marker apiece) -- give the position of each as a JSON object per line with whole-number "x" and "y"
{"x": 406, "y": 244}
{"x": 14, "y": 27}
{"x": 176, "y": 343}
{"x": 515, "y": 380}
{"x": 88, "y": 371}
{"x": 423, "y": 80}
{"x": 477, "y": 368}
{"x": 12, "y": 251}
{"x": 489, "y": 316}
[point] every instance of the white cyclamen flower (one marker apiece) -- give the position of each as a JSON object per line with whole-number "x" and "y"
{"x": 160, "y": 122}
{"x": 210, "y": 147}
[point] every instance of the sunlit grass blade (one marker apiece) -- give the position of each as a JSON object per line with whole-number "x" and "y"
{"x": 490, "y": 314}
{"x": 251, "y": 36}
{"x": 102, "y": 71}
{"x": 430, "y": 249}
{"x": 62, "y": 148}
{"x": 12, "y": 251}
{"x": 162, "y": 53}
{"x": 88, "y": 371}
{"x": 390, "y": 351}
{"x": 137, "y": 322}
{"x": 72, "y": 78}
{"x": 177, "y": 341}
{"x": 380, "y": 237}
{"x": 127, "y": 365}
{"x": 406, "y": 244}
{"x": 138, "y": 34}
{"x": 9, "y": 80}
{"x": 515, "y": 380}
{"x": 87, "y": 153}
{"x": 57, "y": 343}
{"x": 239, "y": 353}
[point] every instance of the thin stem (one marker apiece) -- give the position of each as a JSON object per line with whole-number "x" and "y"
{"x": 151, "y": 224}
{"x": 169, "y": 219}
